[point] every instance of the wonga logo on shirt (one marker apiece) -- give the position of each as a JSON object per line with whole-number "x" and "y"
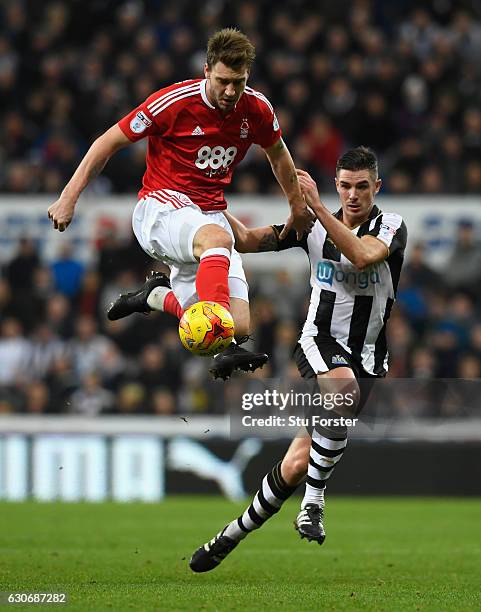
{"x": 327, "y": 273}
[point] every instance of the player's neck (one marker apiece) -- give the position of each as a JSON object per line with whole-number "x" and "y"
{"x": 352, "y": 222}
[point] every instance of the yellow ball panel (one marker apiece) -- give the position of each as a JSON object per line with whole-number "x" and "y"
{"x": 206, "y": 328}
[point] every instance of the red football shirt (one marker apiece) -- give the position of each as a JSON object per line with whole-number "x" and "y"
{"x": 192, "y": 148}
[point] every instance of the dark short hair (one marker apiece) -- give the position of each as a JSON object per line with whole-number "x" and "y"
{"x": 360, "y": 158}
{"x": 232, "y": 48}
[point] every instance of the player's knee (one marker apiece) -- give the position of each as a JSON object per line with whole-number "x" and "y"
{"x": 352, "y": 396}
{"x": 222, "y": 240}
{"x": 212, "y": 237}
{"x": 340, "y": 394}
{"x": 345, "y": 400}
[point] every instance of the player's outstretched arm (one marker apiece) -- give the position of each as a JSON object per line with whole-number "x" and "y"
{"x": 300, "y": 218}
{"x": 362, "y": 252}
{"x": 252, "y": 240}
{"x": 61, "y": 212}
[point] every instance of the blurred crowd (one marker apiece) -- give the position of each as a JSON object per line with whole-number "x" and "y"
{"x": 60, "y": 354}
{"x": 400, "y": 76}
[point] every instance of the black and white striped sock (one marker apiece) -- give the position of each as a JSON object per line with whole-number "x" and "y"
{"x": 325, "y": 452}
{"x": 267, "y": 501}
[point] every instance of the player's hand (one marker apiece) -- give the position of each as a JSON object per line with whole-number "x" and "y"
{"x": 309, "y": 189}
{"x": 61, "y": 213}
{"x": 301, "y": 220}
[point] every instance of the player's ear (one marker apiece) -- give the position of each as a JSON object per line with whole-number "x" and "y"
{"x": 206, "y": 70}
{"x": 377, "y": 186}
{"x": 336, "y": 180}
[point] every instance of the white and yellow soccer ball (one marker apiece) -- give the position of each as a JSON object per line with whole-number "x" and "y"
{"x": 206, "y": 328}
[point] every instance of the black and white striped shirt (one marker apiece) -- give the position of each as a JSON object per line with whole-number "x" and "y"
{"x": 349, "y": 305}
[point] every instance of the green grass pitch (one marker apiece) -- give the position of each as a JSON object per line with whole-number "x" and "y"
{"x": 380, "y": 554}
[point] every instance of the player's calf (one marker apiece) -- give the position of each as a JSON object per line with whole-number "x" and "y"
{"x": 212, "y": 245}
{"x": 268, "y": 500}
{"x": 326, "y": 449}
{"x": 294, "y": 469}
{"x": 296, "y": 460}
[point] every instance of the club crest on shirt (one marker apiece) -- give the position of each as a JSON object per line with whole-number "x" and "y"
{"x": 275, "y": 124}
{"x": 140, "y": 123}
{"x": 244, "y": 128}
{"x": 339, "y": 360}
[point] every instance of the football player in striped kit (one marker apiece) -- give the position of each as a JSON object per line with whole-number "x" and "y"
{"x": 355, "y": 258}
{"x": 198, "y": 131}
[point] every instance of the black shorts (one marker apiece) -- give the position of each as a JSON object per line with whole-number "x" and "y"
{"x": 327, "y": 354}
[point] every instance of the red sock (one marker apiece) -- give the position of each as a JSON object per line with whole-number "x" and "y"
{"x": 212, "y": 281}
{"x": 172, "y": 306}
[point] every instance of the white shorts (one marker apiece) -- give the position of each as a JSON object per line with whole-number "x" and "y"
{"x": 165, "y": 230}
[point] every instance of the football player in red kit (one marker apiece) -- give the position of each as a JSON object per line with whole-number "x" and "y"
{"x": 198, "y": 131}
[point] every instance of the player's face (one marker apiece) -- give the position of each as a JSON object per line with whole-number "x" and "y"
{"x": 357, "y": 189}
{"x": 224, "y": 85}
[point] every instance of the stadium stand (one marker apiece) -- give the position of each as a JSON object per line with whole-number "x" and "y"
{"x": 400, "y": 76}
{"x": 59, "y": 353}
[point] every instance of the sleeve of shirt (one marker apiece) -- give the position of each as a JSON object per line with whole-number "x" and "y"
{"x": 268, "y": 130}
{"x": 391, "y": 230}
{"x": 140, "y": 122}
{"x": 290, "y": 241}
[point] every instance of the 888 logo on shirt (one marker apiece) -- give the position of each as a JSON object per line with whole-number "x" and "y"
{"x": 215, "y": 160}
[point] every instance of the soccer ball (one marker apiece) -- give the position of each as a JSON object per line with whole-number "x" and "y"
{"x": 206, "y": 328}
